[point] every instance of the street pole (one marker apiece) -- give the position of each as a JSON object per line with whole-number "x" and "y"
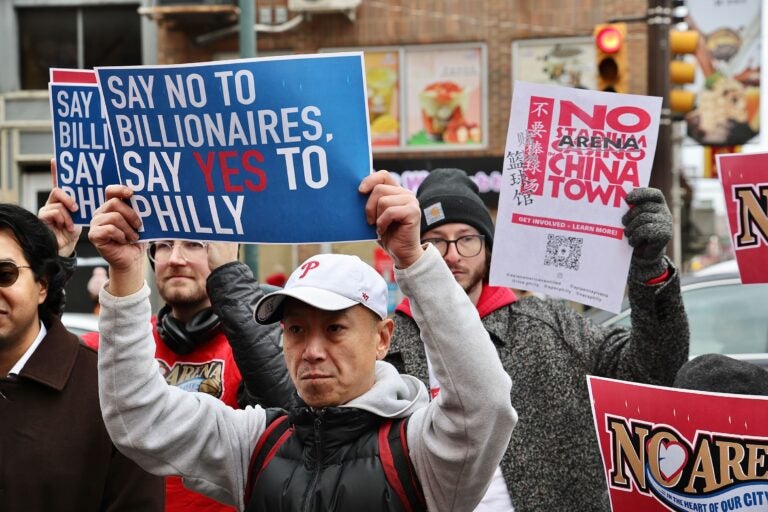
{"x": 247, "y": 50}
{"x": 247, "y": 30}
{"x": 659, "y": 20}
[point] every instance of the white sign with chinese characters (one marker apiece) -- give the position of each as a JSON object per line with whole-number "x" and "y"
{"x": 571, "y": 158}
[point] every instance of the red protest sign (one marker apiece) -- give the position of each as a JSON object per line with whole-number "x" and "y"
{"x": 672, "y": 449}
{"x": 745, "y": 184}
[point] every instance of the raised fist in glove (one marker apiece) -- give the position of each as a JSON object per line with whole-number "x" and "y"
{"x": 648, "y": 228}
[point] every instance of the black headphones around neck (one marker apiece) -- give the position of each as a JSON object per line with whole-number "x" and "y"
{"x": 184, "y": 338}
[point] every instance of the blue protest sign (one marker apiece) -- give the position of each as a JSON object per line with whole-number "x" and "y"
{"x": 85, "y": 162}
{"x": 259, "y": 150}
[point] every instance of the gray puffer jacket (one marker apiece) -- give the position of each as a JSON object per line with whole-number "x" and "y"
{"x": 258, "y": 353}
{"x": 553, "y": 461}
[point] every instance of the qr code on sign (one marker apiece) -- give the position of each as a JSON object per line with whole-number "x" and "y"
{"x": 563, "y": 251}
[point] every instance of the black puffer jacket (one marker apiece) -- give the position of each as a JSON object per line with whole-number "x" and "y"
{"x": 553, "y": 461}
{"x": 257, "y": 348}
{"x": 330, "y": 462}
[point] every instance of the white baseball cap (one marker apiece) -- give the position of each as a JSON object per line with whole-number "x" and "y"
{"x": 330, "y": 282}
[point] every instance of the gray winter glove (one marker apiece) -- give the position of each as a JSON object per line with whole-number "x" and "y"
{"x": 648, "y": 228}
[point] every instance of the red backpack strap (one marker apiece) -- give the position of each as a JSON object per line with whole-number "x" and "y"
{"x": 275, "y": 435}
{"x": 398, "y": 469}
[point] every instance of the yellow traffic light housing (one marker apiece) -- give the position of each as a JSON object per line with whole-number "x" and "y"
{"x": 611, "y": 57}
{"x": 681, "y": 101}
{"x": 681, "y": 43}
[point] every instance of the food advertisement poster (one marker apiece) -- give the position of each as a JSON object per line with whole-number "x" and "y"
{"x": 571, "y": 157}
{"x": 728, "y": 71}
{"x": 382, "y": 81}
{"x": 568, "y": 61}
{"x": 673, "y": 449}
{"x": 444, "y": 99}
{"x": 745, "y": 185}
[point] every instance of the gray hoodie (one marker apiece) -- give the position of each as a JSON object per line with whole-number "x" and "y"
{"x": 455, "y": 441}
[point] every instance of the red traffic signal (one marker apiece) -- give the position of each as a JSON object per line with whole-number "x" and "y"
{"x": 608, "y": 39}
{"x": 611, "y": 61}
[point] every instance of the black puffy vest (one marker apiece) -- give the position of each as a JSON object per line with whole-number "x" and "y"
{"x": 330, "y": 462}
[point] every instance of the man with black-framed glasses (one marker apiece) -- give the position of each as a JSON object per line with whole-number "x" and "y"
{"x": 552, "y": 462}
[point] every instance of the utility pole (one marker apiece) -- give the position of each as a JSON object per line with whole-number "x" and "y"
{"x": 247, "y": 30}
{"x": 659, "y": 19}
{"x": 247, "y": 41}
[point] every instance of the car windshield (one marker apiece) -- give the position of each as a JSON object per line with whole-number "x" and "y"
{"x": 726, "y": 319}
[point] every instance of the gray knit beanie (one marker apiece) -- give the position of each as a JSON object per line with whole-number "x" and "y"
{"x": 722, "y": 374}
{"x": 447, "y": 196}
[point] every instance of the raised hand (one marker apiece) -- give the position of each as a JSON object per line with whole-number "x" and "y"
{"x": 221, "y": 253}
{"x": 648, "y": 228}
{"x": 396, "y": 215}
{"x": 56, "y": 214}
{"x": 114, "y": 233}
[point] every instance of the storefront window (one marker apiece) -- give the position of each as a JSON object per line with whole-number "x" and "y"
{"x": 76, "y": 37}
{"x": 47, "y": 38}
{"x": 112, "y": 36}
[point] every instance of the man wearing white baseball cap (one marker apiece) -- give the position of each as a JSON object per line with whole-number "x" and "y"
{"x": 368, "y": 438}
{"x": 331, "y": 282}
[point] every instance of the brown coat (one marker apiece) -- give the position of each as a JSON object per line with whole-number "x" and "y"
{"x": 55, "y": 453}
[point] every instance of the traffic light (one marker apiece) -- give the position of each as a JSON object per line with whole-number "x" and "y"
{"x": 682, "y": 43}
{"x": 611, "y": 57}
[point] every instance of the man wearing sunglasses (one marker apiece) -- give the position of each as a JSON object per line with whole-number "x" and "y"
{"x": 552, "y": 462}
{"x": 55, "y": 452}
{"x": 196, "y": 281}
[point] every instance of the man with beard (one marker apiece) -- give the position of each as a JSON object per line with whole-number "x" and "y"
{"x": 198, "y": 281}
{"x": 552, "y": 462}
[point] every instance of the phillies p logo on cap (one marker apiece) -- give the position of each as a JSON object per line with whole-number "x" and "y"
{"x": 330, "y": 282}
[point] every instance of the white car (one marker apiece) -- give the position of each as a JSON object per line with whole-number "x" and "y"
{"x": 80, "y": 323}
{"x": 725, "y": 316}
{"x": 718, "y": 268}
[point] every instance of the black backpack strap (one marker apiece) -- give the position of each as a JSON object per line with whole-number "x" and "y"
{"x": 276, "y": 433}
{"x": 398, "y": 469}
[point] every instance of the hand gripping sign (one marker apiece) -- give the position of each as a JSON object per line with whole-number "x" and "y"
{"x": 259, "y": 150}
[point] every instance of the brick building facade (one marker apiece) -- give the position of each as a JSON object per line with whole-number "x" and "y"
{"x": 382, "y": 23}
{"x": 495, "y": 24}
